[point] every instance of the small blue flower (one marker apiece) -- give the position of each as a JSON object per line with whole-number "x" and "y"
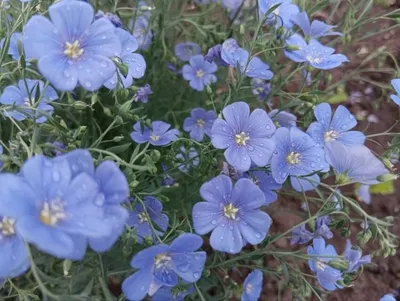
{"x": 363, "y": 194}
{"x": 70, "y": 48}
{"x": 354, "y": 163}
{"x": 313, "y": 54}
{"x": 245, "y": 136}
{"x": 280, "y": 16}
{"x": 188, "y": 158}
{"x": 214, "y": 55}
{"x": 114, "y": 19}
{"x": 199, "y": 123}
{"x": 260, "y": 88}
{"x": 388, "y": 297}
{"x": 252, "y": 286}
{"x": 184, "y": 51}
{"x": 266, "y": 182}
{"x": 158, "y": 135}
{"x": 396, "y": 85}
{"x": 142, "y": 94}
{"x": 326, "y": 275}
{"x": 355, "y": 258}
{"x": 313, "y": 30}
{"x": 297, "y": 155}
{"x": 337, "y": 128}
{"x": 172, "y": 294}
{"x": 134, "y": 61}
{"x": 282, "y": 118}
{"x": 167, "y": 180}
{"x": 235, "y": 56}
{"x": 300, "y": 235}
{"x": 15, "y": 45}
{"x": 161, "y": 265}
{"x": 142, "y": 32}
{"x": 322, "y": 227}
{"x": 23, "y": 96}
{"x": 139, "y": 219}
{"x": 200, "y": 73}
{"x": 58, "y": 148}
{"x": 232, "y": 214}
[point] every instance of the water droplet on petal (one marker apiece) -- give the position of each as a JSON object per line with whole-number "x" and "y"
{"x": 56, "y": 176}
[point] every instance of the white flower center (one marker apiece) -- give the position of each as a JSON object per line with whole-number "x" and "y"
{"x": 241, "y": 138}
{"x": 155, "y": 137}
{"x": 52, "y": 213}
{"x": 200, "y": 73}
{"x": 73, "y": 50}
{"x": 320, "y": 265}
{"x": 142, "y": 217}
{"x": 331, "y": 135}
{"x": 230, "y": 211}
{"x": 7, "y": 226}
{"x": 162, "y": 259}
{"x": 312, "y": 59}
{"x": 200, "y": 123}
{"x": 293, "y": 158}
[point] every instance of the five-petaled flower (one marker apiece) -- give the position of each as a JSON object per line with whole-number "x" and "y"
{"x": 159, "y": 134}
{"x": 232, "y": 214}
{"x": 199, "y": 72}
{"x": 199, "y": 123}
{"x": 245, "y": 136}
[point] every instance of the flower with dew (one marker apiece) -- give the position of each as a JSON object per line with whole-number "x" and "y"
{"x": 134, "y": 61}
{"x": 185, "y": 50}
{"x": 396, "y": 85}
{"x": 354, "y": 257}
{"x": 214, "y": 55}
{"x": 322, "y": 227}
{"x": 245, "y": 136}
{"x": 281, "y": 16}
{"x": 114, "y": 19}
{"x": 300, "y": 235}
{"x": 330, "y": 128}
{"x": 142, "y": 94}
{"x": 53, "y": 207}
{"x": 160, "y": 266}
{"x": 231, "y": 213}
{"x": 199, "y": 123}
{"x": 23, "y": 96}
{"x": 354, "y": 163}
{"x": 266, "y": 182}
{"x": 320, "y": 255}
{"x": 141, "y": 217}
{"x": 199, "y": 72}
{"x": 260, "y": 88}
{"x": 236, "y": 56}
{"x": 71, "y": 48}
{"x": 313, "y": 53}
{"x": 252, "y": 286}
{"x": 297, "y": 155}
{"x": 177, "y": 293}
{"x": 388, "y": 297}
{"x": 282, "y": 118}
{"x": 187, "y": 158}
{"x": 158, "y": 135}
{"x": 141, "y": 31}
{"x": 363, "y": 194}
{"x": 15, "y": 45}
{"x": 313, "y": 30}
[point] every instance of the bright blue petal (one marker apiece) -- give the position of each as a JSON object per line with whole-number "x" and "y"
{"x": 328, "y": 278}
{"x": 352, "y": 138}
{"x": 189, "y": 265}
{"x": 303, "y": 22}
{"x": 246, "y": 195}
{"x": 136, "y": 286}
{"x": 14, "y": 259}
{"x": 252, "y": 286}
{"x": 206, "y": 216}
{"x": 218, "y": 190}
{"x": 305, "y": 183}
{"x": 136, "y": 64}
{"x": 222, "y": 134}
{"x": 94, "y": 70}
{"x": 12, "y": 95}
{"x": 343, "y": 120}
{"x": 186, "y": 243}
{"x": 323, "y": 113}
{"x": 316, "y": 131}
{"x": 238, "y": 157}
{"x": 112, "y": 182}
{"x": 80, "y": 161}
{"x": 145, "y": 258}
{"x": 165, "y": 276}
{"x": 254, "y": 226}
{"x": 257, "y": 68}
{"x": 226, "y": 237}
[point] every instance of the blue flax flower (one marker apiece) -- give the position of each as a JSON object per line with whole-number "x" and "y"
{"x": 142, "y": 94}
{"x": 260, "y": 88}
{"x": 199, "y": 72}
{"x": 280, "y": 16}
{"x": 172, "y": 293}
{"x": 134, "y": 61}
{"x": 354, "y": 163}
{"x": 396, "y": 85}
{"x": 232, "y": 214}
{"x": 15, "y": 45}
{"x": 313, "y": 54}
{"x": 388, "y": 297}
{"x": 330, "y": 128}
{"x": 363, "y": 194}
{"x": 214, "y": 55}
{"x": 188, "y": 158}
{"x": 139, "y": 218}
{"x": 114, "y": 19}
{"x": 300, "y": 235}
{"x": 236, "y": 56}
{"x": 23, "y": 97}
{"x": 199, "y": 123}
{"x": 159, "y": 134}
{"x": 161, "y": 265}
{"x": 142, "y": 32}
{"x": 52, "y": 205}
{"x": 245, "y": 136}
{"x": 184, "y": 51}
{"x": 282, "y": 118}
{"x": 297, "y": 155}
{"x": 266, "y": 182}
{"x": 313, "y": 30}
{"x": 70, "y": 48}
{"x": 167, "y": 180}
{"x": 252, "y": 286}
{"x": 355, "y": 258}
{"x": 322, "y": 227}
{"x": 321, "y": 255}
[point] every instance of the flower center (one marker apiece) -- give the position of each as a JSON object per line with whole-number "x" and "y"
{"x": 241, "y": 138}
{"x": 331, "y": 135}
{"x": 162, "y": 260}
{"x": 249, "y": 288}
{"x": 155, "y": 137}
{"x": 200, "y": 123}
{"x": 27, "y": 101}
{"x": 321, "y": 266}
{"x": 293, "y": 158}
{"x": 142, "y": 217}
{"x": 312, "y": 59}
{"x": 7, "y": 226}
{"x": 199, "y": 73}
{"x": 52, "y": 213}
{"x": 73, "y": 50}
{"x": 230, "y": 211}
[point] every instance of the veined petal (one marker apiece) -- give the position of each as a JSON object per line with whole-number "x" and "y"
{"x": 189, "y": 265}
{"x": 246, "y": 195}
{"x": 136, "y": 286}
{"x": 94, "y": 70}
{"x": 254, "y": 226}
{"x": 218, "y": 190}
{"x": 227, "y": 238}
{"x": 238, "y": 157}
{"x": 237, "y": 115}
{"x": 206, "y": 216}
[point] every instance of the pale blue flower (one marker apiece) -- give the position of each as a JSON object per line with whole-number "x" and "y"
{"x": 252, "y": 286}
{"x": 159, "y": 134}
{"x": 189, "y": 158}
{"x": 300, "y": 235}
{"x": 184, "y": 51}
{"x": 354, "y": 258}
{"x": 199, "y": 123}
{"x": 199, "y": 72}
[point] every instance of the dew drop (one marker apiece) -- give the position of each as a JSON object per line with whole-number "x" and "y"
{"x": 56, "y": 176}
{"x": 213, "y": 222}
